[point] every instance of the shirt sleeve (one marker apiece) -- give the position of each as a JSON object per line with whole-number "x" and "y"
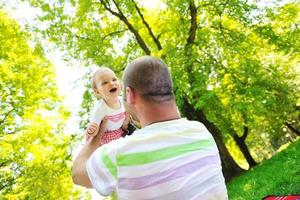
{"x": 97, "y": 113}
{"x": 102, "y": 170}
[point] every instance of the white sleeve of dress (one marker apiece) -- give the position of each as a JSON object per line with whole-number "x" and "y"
{"x": 98, "y": 112}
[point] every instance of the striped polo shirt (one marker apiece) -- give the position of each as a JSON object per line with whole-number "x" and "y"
{"x": 175, "y": 159}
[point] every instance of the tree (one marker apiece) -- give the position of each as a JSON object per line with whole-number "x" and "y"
{"x": 210, "y": 46}
{"x": 34, "y": 151}
{"x": 281, "y": 28}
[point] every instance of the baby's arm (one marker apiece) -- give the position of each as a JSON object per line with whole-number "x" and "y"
{"x": 96, "y": 117}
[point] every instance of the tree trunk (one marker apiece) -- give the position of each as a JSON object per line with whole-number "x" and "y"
{"x": 240, "y": 141}
{"x": 294, "y": 130}
{"x": 229, "y": 167}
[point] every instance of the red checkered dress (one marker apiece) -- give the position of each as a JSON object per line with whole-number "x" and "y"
{"x": 108, "y": 136}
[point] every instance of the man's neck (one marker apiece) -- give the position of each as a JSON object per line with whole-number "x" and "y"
{"x": 158, "y": 113}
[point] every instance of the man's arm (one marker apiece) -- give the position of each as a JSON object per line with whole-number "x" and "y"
{"x": 79, "y": 173}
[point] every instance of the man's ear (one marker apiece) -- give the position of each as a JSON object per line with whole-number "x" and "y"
{"x": 130, "y": 96}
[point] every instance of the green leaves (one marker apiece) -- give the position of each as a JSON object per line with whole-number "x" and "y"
{"x": 233, "y": 61}
{"x": 34, "y": 151}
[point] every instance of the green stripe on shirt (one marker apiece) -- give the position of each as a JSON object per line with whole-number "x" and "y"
{"x": 112, "y": 168}
{"x": 161, "y": 154}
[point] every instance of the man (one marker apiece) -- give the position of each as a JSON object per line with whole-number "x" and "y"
{"x": 168, "y": 158}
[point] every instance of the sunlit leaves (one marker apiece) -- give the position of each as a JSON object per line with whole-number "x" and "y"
{"x": 238, "y": 70}
{"x": 25, "y": 77}
{"x": 34, "y": 151}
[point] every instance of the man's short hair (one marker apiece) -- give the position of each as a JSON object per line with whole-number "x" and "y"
{"x": 151, "y": 78}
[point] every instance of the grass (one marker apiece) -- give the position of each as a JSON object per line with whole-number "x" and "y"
{"x": 279, "y": 175}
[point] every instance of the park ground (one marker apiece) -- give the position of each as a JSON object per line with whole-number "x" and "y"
{"x": 279, "y": 175}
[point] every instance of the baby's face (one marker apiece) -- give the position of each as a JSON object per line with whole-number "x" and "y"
{"x": 108, "y": 85}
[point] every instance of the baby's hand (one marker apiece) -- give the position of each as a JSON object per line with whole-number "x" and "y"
{"x": 127, "y": 119}
{"x": 95, "y": 131}
{"x": 92, "y": 129}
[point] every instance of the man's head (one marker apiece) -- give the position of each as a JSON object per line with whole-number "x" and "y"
{"x": 150, "y": 78}
{"x": 149, "y": 91}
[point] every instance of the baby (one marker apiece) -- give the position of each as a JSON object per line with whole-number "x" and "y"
{"x": 109, "y": 108}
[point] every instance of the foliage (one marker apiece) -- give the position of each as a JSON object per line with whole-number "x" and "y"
{"x": 35, "y": 154}
{"x": 278, "y": 176}
{"x": 26, "y": 80}
{"x": 232, "y": 61}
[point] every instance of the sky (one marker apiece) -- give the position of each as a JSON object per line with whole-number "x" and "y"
{"x": 68, "y": 74}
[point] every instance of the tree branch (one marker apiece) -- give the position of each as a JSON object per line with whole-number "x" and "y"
{"x": 155, "y": 39}
{"x": 246, "y": 128}
{"x": 9, "y": 183}
{"x": 123, "y": 18}
{"x": 246, "y": 132}
{"x": 109, "y": 9}
{"x": 2, "y": 164}
{"x": 108, "y": 35}
{"x": 191, "y": 37}
{"x": 6, "y": 115}
{"x": 193, "y": 27}
{"x": 113, "y": 33}
{"x": 84, "y": 38}
{"x": 161, "y": 34}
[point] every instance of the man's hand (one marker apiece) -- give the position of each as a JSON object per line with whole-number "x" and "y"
{"x": 79, "y": 173}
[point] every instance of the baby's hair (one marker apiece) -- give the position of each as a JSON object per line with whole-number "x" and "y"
{"x": 94, "y": 77}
